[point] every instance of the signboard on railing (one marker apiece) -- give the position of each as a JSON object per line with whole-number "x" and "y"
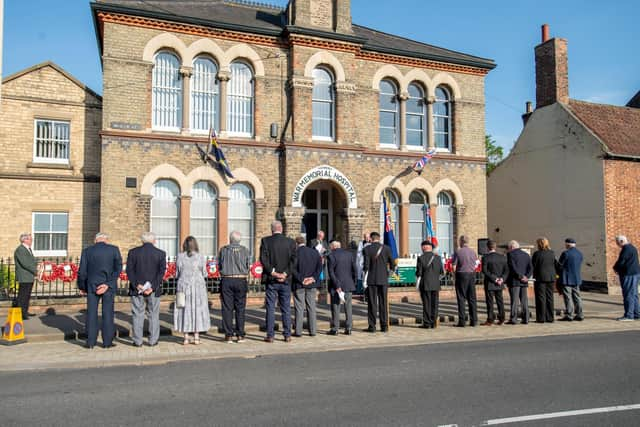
{"x": 406, "y": 271}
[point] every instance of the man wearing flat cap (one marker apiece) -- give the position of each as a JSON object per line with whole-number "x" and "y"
{"x": 570, "y": 263}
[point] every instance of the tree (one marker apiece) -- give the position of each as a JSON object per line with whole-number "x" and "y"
{"x": 494, "y": 153}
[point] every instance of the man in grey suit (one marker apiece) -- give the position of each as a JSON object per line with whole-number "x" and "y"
{"x": 343, "y": 272}
{"x": 26, "y": 265}
{"x": 378, "y": 261}
{"x": 146, "y": 265}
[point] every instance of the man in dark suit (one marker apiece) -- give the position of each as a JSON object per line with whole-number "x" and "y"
{"x": 26, "y": 265}
{"x": 570, "y": 263}
{"x": 278, "y": 259}
{"x": 343, "y": 272}
{"x": 146, "y": 265}
{"x": 428, "y": 271}
{"x": 520, "y": 270}
{"x": 306, "y": 279}
{"x": 377, "y": 264}
{"x": 100, "y": 266}
{"x": 495, "y": 271}
{"x": 321, "y": 245}
{"x": 628, "y": 270}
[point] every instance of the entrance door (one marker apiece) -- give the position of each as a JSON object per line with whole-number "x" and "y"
{"x": 318, "y": 203}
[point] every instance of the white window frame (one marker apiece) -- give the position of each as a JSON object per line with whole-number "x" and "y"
{"x": 423, "y": 115}
{"x": 332, "y": 105}
{"x": 396, "y": 112}
{"x": 251, "y": 218}
{"x": 52, "y": 140}
{"x": 213, "y": 218}
{"x": 51, "y": 253}
{"x": 448, "y": 149}
{"x": 203, "y": 96}
{"x": 230, "y": 95}
{"x": 177, "y": 217}
{"x": 422, "y": 221}
{"x": 167, "y": 92}
{"x": 448, "y": 223}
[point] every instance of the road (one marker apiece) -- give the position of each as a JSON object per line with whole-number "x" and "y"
{"x": 463, "y": 384}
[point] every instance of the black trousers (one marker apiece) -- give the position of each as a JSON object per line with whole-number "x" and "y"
{"x": 429, "y": 307}
{"x": 24, "y": 295}
{"x": 234, "y": 298}
{"x": 466, "y": 292}
{"x": 489, "y": 297}
{"x": 377, "y": 302}
{"x": 544, "y": 301}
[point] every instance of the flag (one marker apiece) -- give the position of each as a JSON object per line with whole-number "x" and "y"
{"x": 429, "y": 226}
{"x": 388, "y": 237}
{"x": 215, "y": 151}
{"x": 420, "y": 164}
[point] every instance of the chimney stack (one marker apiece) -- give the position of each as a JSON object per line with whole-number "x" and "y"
{"x": 527, "y": 112}
{"x": 552, "y": 71}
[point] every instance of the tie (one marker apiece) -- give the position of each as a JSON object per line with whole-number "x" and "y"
{"x": 30, "y": 251}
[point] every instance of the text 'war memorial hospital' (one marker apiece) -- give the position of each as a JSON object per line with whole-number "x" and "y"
{"x": 318, "y": 119}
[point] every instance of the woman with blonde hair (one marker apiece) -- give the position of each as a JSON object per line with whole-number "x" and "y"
{"x": 544, "y": 273}
{"x": 191, "y": 272}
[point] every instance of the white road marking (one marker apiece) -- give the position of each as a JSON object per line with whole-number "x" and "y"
{"x": 560, "y": 414}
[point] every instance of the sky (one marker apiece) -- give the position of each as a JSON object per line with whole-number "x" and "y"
{"x": 604, "y": 58}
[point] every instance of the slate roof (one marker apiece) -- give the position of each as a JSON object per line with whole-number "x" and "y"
{"x": 248, "y": 16}
{"x": 617, "y": 127}
{"x": 635, "y": 101}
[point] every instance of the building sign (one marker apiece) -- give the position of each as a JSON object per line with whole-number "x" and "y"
{"x": 328, "y": 173}
{"x": 126, "y": 126}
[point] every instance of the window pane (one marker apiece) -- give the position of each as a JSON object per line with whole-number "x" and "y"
{"x": 442, "y": 94}
{"x": 204, "y": 95}
{"x": 416, "y": 212}
{"x": 441, "y": 109}
{"x": 415, "y": 91}
{"x": 240, "y": 100}
{"x": 165, "y": 213}
{"x": 52, "y": 141}
{"x": 388, "y": 120}
{"x": 41, "y": 241}
{"x": 388, "y": 102}
{"x": 166, "y": 92}
{"x": 41, "y": 222}
{"x": 59, "y": 223}
{"x": 241, "y": 213}
{"x": 414, "y": 138}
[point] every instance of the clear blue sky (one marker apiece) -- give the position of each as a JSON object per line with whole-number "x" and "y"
{"x": 604, "y": 58}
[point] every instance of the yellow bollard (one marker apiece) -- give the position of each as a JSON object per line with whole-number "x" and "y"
{"x": 13, "y": 330}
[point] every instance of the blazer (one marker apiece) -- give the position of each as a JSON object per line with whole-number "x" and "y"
{"x": 99, "y": 263}
{"x": 314, "y": 242}
{"x": 494, "y": 267}
{"x": 146, "y": 263}
{"x": 519, "y": 266}
{"x": 308, "y": 264}
{"x": 343, "y": 270}
{"x": 25, "y": 264}
{"x": 627, "y": 263}
{"x": 429, "y": 268}
{"x": 277, "y": 253}
{"x": 570, "y": 263}
{"x": 544, "y": 266}
{"x": 377, "y": 269}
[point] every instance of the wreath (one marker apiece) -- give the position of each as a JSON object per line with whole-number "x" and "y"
{"x": 123, "y": 274}
{"x": 67, "y": 272}
{"x": 448, "y": 265}
{"x": 170, "y": 272}
{"x": 213, "y": 272}
{"x": 47, "y": 271}
{"x": 257, "y": 269}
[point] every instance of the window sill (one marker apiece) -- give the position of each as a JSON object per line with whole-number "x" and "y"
{"x": 45, "y": 165}
{"x": 322, "y": 139}
{"x": 388, "y": 147}
{"x": 42, "y": 254}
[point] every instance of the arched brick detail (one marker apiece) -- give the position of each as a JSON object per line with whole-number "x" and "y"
{"x": 386, "y": 72}
{"x": 165, "y": 171}
{"x": 390, "y": 182}
{"x": 164, "y": 41}
{"x": 420, "y": 77}
{"x": 248, "y": 177}
{"x": 448, "y": 81}
{"x": 419, "y": 183}
{"x": 204, "y": 47}
{"x": 325, "y": 58}
{"x": 208, "y": 174}
{"x": 450, "y": 186}
{"x": 243, "y": 51}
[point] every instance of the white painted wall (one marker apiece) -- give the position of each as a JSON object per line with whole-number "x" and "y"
{"x": 552, "y": 185}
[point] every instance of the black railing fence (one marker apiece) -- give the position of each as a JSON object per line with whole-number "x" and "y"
{"x": 56, "y": 279}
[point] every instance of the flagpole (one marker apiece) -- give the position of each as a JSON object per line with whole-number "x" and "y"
{"x": 386, "y": 205}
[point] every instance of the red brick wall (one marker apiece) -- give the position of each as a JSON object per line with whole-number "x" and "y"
{"x": 622, "y": 198}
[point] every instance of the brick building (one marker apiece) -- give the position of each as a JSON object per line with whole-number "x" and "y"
{"x": 573, "y": 172}
{"x": 317, "y": 117}
{"x": 50, "y": 164}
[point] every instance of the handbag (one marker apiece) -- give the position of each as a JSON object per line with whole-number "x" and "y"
{"x": 181, "y": 299}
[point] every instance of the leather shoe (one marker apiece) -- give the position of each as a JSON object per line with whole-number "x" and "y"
{"x": 268, "y": 339}
{"x": 89, "y": 347}
{"x": 109, "y": 346}
{"x": 511, "y": 323}
{"x": 384, "y": 330}
{"x": 370, "y": 330}
{"x": 153, "y": 345}
{"x": 332, "y": 332}
{"x": 578, "y": 319}
{"x": 487, "y": 323}
{"x": 347, "y": 332}
{"x": 500, "y": 322}
{"x": 566, "y": 319}
{"x": 287, "y": 339}
{"x": 296, "y": 335}
{"x": 460, "y": 325}
{"x": 135, "y": 344}
{"x": 27, "y": 315}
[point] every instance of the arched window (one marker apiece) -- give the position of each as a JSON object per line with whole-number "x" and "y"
{"x": 166, "y": 93}
{"x": 323, "y": 105}
{"x": 393, "y": 200}
{"x": 444, "y": 218}
{"x": 389, "y": 116}
{"x": 241, "y": 213}
{"x": 442, "y": 119}
{"x": 205, "y": 101}
{"x": 417, "y": 227}
{"x": 240, "y": 100}
{"x": 416, "y": 115}
{"x": 204, "y": 224}
{"x": 165, "y": 215}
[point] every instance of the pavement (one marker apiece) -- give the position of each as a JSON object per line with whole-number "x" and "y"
{"x": 569, "y": 380}
{"x": 50, "y": 349}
